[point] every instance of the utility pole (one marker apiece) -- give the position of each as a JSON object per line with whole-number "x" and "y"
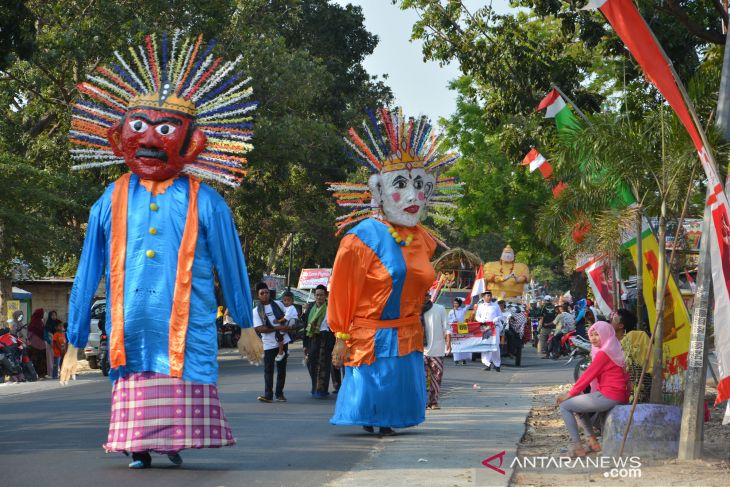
{"x": 691, "y": 431}
{"x": 291, "y": 257}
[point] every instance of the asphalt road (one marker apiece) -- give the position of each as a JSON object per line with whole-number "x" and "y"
{"x": 52, "y": 435}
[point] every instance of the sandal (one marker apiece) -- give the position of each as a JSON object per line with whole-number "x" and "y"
{"x": 594, "y": 445}
{"x": 577, "y": 452}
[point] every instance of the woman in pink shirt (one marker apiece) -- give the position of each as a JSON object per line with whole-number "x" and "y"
{"x": 609, "y": 386}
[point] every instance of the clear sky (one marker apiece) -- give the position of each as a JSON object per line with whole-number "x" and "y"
{"x": 418, "y": 86}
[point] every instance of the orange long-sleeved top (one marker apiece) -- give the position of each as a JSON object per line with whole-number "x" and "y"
{"x": 376, "y": 284}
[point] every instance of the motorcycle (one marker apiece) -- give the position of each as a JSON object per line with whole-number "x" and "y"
{"x": 15, "y": 361}
{"x": 581, "y": 352}
{"x": 535, "y": 323}
{"x": 104, "y": 355}
{"x": 566, "y": 346}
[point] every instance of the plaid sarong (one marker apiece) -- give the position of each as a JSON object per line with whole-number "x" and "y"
{"x": 155, "y": 412}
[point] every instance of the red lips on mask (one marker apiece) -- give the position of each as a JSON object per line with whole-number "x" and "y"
{"x": 153, "y": 142}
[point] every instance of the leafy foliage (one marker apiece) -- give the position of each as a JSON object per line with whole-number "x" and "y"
{"x": 304, "y": 57}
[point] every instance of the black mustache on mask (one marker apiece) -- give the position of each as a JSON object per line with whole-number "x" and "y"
{"x": 152, "y": 153}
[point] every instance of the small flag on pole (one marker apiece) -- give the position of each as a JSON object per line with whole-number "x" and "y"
{"x": 536, "y": 161}
{"x": 559, "y": 188}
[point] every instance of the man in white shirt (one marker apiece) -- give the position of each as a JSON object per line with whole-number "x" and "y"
{"x": 487, "y": 312}
{"x": 268, "y": 318}
{"x": 436, "y": 344}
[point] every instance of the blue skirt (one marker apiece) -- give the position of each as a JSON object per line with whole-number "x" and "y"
{"x": 390, "y": 392}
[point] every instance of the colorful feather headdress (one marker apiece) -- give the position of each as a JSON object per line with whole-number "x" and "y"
{"x": 176, "y": 74}
{"x": 393, "y": 143}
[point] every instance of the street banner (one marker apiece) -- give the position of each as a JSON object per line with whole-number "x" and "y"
{"x": 635, "y": 33}
{"x": 601, "y": 285}
{"x": 677, "y": 325}
{"x": 311, "y": 278}
{"x": 470, "y": 337}
{"x": 720, "y": 258}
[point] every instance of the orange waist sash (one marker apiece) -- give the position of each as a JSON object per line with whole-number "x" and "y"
{"x": 398, "y": 323}
{"x": 362, "y": 338}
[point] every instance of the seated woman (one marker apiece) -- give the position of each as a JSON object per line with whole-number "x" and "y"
{"x": 609, "y": 386}
{"x": 635, "y": 344}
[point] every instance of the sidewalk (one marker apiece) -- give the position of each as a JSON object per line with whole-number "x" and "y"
{"x": 474, "y": 424}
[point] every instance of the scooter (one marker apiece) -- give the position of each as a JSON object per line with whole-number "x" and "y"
{"x": 582, "y": 353}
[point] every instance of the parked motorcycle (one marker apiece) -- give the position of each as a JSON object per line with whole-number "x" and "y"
{"x": 104, "y": 355}
{"x": 582, "y": 353}
{"x": 14, "y": 360}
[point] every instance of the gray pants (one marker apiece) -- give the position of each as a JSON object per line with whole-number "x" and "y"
{"x": 580, "y": 405}
{"x": 542, "y": 343}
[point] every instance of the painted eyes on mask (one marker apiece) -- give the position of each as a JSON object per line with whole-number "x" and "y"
{"x": 402, "y": 183}
{"x": 165, "y": 129}
{"x": 138, "y": 126}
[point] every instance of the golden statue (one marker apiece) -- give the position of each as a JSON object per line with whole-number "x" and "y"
{"x": 505, "y": 277}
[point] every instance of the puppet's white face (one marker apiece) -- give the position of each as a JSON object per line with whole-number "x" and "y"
{"x": 403, "y": 195}
{"x": 508, "y": 255}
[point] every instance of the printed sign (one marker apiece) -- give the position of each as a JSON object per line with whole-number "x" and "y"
{"x": 472, "y": 337}
{"x": 311, "y": 278}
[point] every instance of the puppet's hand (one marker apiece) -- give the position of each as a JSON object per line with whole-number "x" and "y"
{"x": 250, "y": 346}
{"x": 340, "y": 353}
{"x": 68, "y": 369}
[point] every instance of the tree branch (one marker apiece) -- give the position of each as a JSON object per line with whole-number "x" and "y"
{"x": 720, "y": 10}
{"x": 676, "y": 11}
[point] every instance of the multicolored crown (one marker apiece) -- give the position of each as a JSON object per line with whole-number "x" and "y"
{"x": 182, "y": 78}
{"x": 407, "y": 144}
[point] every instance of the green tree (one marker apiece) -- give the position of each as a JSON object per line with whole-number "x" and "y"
{"x": 305, "y": 59}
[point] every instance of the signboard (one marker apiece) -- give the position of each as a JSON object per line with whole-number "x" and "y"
{"x": 311, "y": 278}
{"x": 470, "y": 337}
{"x": 13, "y": 306}
{"x": 274, "y": 281}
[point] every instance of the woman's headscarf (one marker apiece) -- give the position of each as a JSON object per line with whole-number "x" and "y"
{"x": 36, "y": 323}
{"x": 609, "y": 343}
{"x": 581, "y": 306}
{"x": 51, "y": 324}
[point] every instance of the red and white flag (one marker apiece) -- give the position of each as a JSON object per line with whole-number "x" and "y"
{"x": 479, "y": 286}
{"x": 559, "y": 188}
{"x": 601, "y": 285}
{"x": 553, "y": 103}
{"x": 537, "y": 161}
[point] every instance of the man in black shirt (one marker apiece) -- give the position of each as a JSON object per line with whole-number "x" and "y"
{"x": 548, "y": 313}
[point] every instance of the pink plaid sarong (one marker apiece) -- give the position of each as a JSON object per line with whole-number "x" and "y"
{"x": 155, "y": 412}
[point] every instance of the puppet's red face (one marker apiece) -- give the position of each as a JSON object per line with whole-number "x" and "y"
{"x": 156, "y": 144}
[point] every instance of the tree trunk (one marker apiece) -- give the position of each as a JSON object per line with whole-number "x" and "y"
{"x": 661, "y": 286}
{"x": 6, "y": 293}
{"x": 280, "y": 251}
{"x": 578, "y": 284}
{"x": 641, "y": 325}
{"x": 722, "y": 122}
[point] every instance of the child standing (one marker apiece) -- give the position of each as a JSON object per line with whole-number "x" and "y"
{"x": 59, "y": 348}
{"x": 290, "y": 315}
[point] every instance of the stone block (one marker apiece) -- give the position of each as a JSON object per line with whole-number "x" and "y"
{"x": 654, "y": 431}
